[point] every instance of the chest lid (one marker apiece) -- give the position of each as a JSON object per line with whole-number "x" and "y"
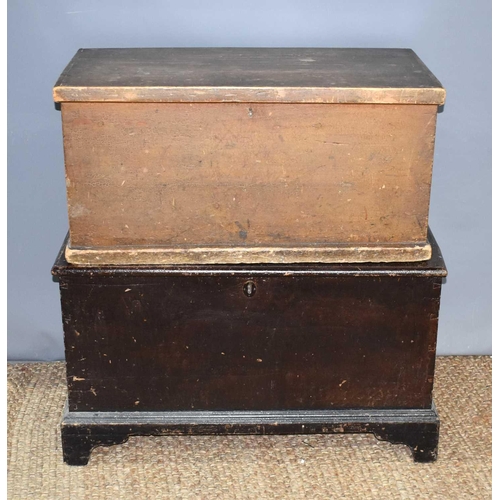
{"x": 288, "y": 75}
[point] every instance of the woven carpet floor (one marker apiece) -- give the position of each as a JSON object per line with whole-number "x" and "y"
{"x": 252, "y": 467}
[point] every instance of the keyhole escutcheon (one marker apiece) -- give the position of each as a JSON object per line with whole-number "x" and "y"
{"x": 249, "y": 288}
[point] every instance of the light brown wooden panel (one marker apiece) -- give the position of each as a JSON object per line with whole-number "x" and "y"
{"x": 232, "y": 174}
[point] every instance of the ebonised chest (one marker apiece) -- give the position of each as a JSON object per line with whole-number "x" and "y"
{"x": 250, "y": 349}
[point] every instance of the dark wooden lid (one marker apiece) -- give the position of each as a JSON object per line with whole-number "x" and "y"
{"x": 305, "y": 75}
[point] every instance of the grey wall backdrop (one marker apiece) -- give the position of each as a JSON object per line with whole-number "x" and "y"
{"x": 453, "y": 37}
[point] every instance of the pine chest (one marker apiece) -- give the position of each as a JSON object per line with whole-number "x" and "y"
{"x": 248, "y": 155}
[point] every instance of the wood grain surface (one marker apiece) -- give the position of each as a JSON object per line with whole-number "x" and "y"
{"x": 305, "y": 75}
{"x": 432, "y": 267}
{"x": 231, "y": 175}
{"x": 159, "y": 338}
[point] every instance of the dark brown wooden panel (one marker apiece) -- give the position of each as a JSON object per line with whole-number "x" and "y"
{"x": 300, "y": 342}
